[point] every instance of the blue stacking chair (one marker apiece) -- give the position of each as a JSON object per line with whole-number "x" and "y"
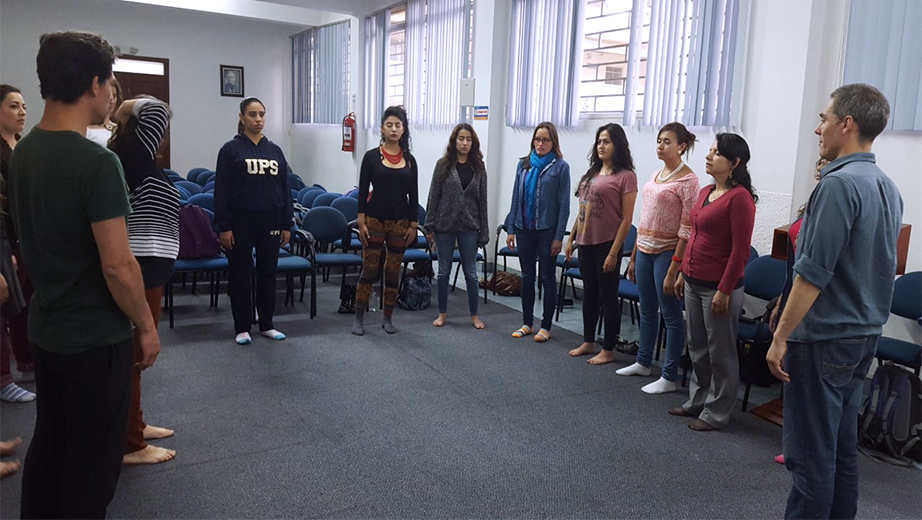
{"x": 205, "y": 177}
{"x": 765, "y": 278}
{"x": 190, "y": 186}
{"x": 172, "y": 173}
{"x": 906, "y": 303}
{"x": 505, "y": 251}
{"x": 307, "y": 198}
{"x": 324, "y": 225}
{"x": 325, "y": 199}
{"x": 208, "y": 187}
{"x": 203, "y": 200}
{"x": 319, "y": 186}
{"x": 295, "y": 182}
{"x": 349, "y": 207}
{"x": 212, "y": 267}
{"x": 194, "y": 173}
{"x": 184, "y": 194}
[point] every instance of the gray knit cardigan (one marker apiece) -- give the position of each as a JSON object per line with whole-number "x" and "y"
{"x": 452, "y": 209}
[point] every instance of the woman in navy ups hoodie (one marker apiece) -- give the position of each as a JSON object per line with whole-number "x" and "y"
{"x": 252, "y": 209}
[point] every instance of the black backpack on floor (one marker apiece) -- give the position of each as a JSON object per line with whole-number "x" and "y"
{"x": 891, "y": 421}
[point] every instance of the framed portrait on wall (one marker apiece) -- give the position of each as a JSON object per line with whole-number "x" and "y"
{"x": 231, "y": 81}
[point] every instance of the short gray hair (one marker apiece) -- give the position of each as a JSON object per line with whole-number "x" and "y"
{"x": 867, "y": 106}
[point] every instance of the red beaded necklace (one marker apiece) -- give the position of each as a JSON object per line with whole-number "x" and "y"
{"x": 393, "y": 159}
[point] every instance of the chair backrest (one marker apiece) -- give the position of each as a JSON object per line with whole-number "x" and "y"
{"x": 421, "y": 216}
{"x": 629, "y": 241}
{"x": 295, "y": 182}
{"x": 907, "y": 296}
{"x": 172, "y": 172}
{"x": 184, "y": 194}
{"x": 208, "y": 188}
{"x": 205, "y": 177}
{"x": 765, "y": 277}
{"x": 753, "y": 254}
{"x": 325, "y": 223}
{"x": 294, "y": 194}
{"x": 354, "y": 194}
{"x": 319, "y": 186}
{"x": 307, "y": 198}
{"x": 302, "y": 191}
{"x": 203, "y": 200}
{"x": 194, "y": 173}
{"x": 348, "y": 206}
{"x": 190, "y": 186}
{"x": 325, "y": 199}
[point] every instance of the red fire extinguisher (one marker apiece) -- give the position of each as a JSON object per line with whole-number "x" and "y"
{"x": 349, "y": 132}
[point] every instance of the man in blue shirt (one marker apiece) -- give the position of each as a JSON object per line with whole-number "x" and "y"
{"x": 827, "y": 336}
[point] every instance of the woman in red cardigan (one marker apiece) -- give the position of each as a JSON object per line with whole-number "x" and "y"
{"x": 712, "y": 282}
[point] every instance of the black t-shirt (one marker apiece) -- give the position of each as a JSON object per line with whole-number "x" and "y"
{"x": 466, "y": 173}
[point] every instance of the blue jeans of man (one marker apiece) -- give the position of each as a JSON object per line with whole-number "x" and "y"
{"x": 821, "y": 406}
{"x": 467, "y": 248}
{"x": 535, "y": 246}
{"x": 650, "y": 271}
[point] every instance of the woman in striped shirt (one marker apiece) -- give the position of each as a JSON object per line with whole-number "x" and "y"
{"x": 662, "y": 235}
{"x": 153, "y": 233}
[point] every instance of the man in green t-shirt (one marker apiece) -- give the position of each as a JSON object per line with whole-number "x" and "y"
{"x": 69, "y": 203}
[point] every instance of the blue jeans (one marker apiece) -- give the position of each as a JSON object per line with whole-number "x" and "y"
{"x": 536, "y": 246}
{"x": 821, "y": 406}
{"x": 650, "y": 271}
{"x": 467, "y": 247}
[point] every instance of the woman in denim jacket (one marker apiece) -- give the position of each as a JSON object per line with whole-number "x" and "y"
{"x": 538, "y": 220}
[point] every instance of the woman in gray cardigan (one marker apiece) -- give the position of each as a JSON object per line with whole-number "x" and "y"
{"x": 457, "y": 212}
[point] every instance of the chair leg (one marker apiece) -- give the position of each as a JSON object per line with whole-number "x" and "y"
{"x": 313, "y": 293}
{"x": 660, "y": 336}
{"x": 746, "y": 396}
{"x": 457, "y": 272}
{"x": 485, "y": 276}
{"x": 169, "y": 301}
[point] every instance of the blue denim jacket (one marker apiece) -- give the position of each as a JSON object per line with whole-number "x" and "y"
{"x": 552, "y": 202}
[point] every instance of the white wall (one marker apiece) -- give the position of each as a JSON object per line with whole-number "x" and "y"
{"x": 195, "y": 43}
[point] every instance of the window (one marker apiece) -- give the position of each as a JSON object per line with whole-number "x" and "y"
{"x": 689, "y": 47}
{"x": 415, "y": 48}
{"x": 320, "y": 60}
{"x": 396, "y": 55}
{"x": 607, "y": 30}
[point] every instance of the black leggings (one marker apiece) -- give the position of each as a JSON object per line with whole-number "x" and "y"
{"x": 600, "y": 288}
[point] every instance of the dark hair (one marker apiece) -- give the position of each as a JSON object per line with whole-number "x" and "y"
{"x": 68, "y": 62}
{"x": 621, "y": 159}
{"x": 451, "y": 152}
{"x": 6, "y": 90}
{"x": 555, "y": 141}
{"x": 734, "y": 147}
{"x": 867, "y": 106}
{"x": 243, "y": 110}
{"x": 119, "y": 95}
{"x": 401, "y": 114}
{"x": 127, "y": 132}
{"x": 682, "y": 135}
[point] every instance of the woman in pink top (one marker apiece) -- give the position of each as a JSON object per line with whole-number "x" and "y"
{"x": 606, "y": 193}
{"x": 662, "y": 235}
{"x": 712, "y": 281}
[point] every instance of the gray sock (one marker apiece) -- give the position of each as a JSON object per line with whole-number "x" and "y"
{"x": 358, "y": 326}
{"x": 388, "y": 325}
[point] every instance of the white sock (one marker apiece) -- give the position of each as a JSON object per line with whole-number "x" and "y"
{"x": 633, "y": 370}
{"x": 273, "y": 334}
{"x": 243, "y": 338}
{"x": 660, "y": 386}
{"x": 13, "y": 393}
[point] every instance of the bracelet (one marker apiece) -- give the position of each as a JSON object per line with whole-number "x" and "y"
{"x": 676, "y": 259}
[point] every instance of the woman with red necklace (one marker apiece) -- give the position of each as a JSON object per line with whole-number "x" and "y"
{"x": 389, "y": 218}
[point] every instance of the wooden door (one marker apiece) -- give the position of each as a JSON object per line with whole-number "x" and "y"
{"x": 134, "y": 84}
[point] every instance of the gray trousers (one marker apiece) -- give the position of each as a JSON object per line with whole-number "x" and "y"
{"x": 715, "y": 362}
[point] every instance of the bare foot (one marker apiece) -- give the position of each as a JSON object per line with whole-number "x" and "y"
{"x": 8, "y": 447}
{"x": 700, "y": 426}
{"x": 154, "y": 432}
{"x": 438, "y": 322}
{"x": 8, "y": 468}
{"x": 582, "y": 350}
{"x": 602, "y": 358}
{"x": 680, "y": 412}
{"x": 477, "y": 323}
{"x": 149, "y": 455}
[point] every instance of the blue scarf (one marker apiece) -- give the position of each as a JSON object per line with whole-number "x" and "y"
{"x": 529, "y": 207}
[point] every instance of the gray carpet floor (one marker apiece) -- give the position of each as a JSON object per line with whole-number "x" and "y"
{"x": 432, "y": 423}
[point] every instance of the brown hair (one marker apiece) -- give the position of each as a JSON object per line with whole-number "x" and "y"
{"x": 451, "y": 152}
{"x": 682, "y": 135}
{"x": 555, "y": 141}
